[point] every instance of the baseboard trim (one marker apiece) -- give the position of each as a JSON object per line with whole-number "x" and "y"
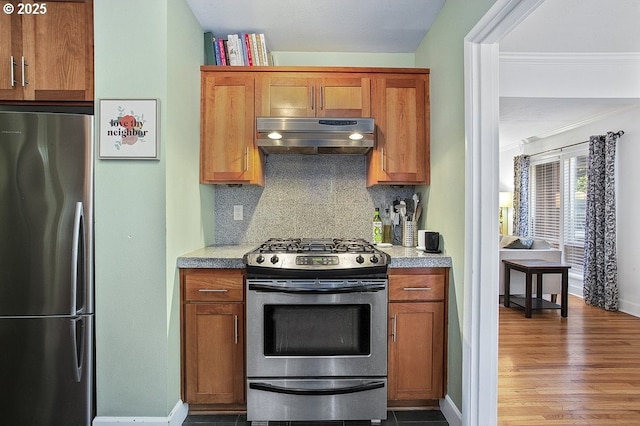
{"x": 450, "y": 411}
{"x": 175, "y": 418}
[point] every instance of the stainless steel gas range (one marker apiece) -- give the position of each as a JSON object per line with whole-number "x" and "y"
{"x": 316, "y": 330}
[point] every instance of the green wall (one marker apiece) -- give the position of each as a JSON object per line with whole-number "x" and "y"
{"x": 145, "y": 49}
{"x": 442, "y": 51}
{"x": 150, "y": 212}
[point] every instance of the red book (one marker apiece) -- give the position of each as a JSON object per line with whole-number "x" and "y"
{"x": 247, "y": 45}
{"x": 223, "y": 56}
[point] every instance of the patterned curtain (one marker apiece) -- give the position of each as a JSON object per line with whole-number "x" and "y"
{"x": 521, "y": 195}
{"x": 600, "y": 261}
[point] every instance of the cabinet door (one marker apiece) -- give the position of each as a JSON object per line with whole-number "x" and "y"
{"x": 314, "y": 95}
{"x": 416, "y": 351}
{"x": 344, "y": 97}
{"x": 214, "y": 354}
{"x": 58, "y": 50}
{"x": 227, "y": 148}
{"x": 10, "y": 49}
{"x": 400, "y": 107}
{"x": 286, "y": 95}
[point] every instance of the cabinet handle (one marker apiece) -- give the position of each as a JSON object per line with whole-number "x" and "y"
{"x": 24, "y": 77}
{"x": 394, "y": 329}
{"x": 12, "y": 64}
{"x": 321, "y": 97}
{"x": 313, "y": 97}
{"x": 246, "y": 159}
{"x": 382, "y": 159}
{"x": 417, "y": 288}
{"x": 235, "y": 329}
{"x": 213, "y": 290}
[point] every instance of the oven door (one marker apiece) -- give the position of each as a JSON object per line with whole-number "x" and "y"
{"x": 321, "y": 328}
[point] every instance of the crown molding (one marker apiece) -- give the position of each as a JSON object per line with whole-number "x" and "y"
{"x": 563, "y": 58}
{"x": 578, "y": 124}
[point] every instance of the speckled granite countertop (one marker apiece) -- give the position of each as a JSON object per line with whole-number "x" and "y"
{"x": 231, "y": 257}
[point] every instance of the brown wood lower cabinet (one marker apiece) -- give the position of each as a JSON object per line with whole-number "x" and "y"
{"x": 417, "y": 335}
{"x": 212, "y": 338}
{"x": 213, "y": 343}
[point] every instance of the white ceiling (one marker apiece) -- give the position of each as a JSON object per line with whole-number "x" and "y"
{"x": 573, "y": 26}
{"x": 578, "y": 26}
{"x": 529, "y": 119}
{"x": 399, "y": 26}
{"x": 382, "y": 26}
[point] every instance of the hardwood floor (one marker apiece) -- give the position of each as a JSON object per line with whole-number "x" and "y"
{"x": 584, "y": 369}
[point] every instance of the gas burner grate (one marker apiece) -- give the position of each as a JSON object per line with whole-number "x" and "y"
{"x": 305, "y": 245}
{"x": 280, "y": 245}
{"x": 357, "y": 245}
{"x": 317, "y": 246}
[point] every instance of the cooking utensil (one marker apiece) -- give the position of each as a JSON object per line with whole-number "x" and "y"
{"x": 410, "y": 208}
{"x": 418, "y": 213}
{"x": 403, "y": 210}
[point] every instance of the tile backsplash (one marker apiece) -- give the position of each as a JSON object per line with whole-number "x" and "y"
{"x": 305, "y": 196}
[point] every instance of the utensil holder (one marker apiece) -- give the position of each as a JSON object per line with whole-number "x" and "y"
{"x": 409, "y": 233}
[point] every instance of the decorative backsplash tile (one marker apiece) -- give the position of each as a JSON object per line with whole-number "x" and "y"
{"x": 308, "y": 196}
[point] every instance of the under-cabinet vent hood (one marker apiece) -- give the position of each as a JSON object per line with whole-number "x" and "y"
{"x": 320, "y": 135}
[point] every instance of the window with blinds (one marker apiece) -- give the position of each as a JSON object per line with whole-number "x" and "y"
{"x": 545, "y": 201}
{"x": 558, "y": 203}
{"x": 575, "y": 197}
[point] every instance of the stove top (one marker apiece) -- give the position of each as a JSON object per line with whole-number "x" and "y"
{"x": 342, "y": 256}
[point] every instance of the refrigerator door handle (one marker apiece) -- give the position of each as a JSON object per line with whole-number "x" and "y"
{"x": 77, "y": 262}
{"x": 77, "y": 340}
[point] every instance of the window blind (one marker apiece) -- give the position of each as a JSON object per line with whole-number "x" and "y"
{"x": 575, "y": 187}
{"x": 558, "y": 203}
{"x": 545, "y": 202}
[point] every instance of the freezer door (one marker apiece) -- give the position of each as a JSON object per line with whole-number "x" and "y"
{"x": 45, "y": 214}
{"x": 47, "y": 371}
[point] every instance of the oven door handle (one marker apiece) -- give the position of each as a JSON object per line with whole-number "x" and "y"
{"x": 330, "y": 391}
{"x": 370, "y": 288}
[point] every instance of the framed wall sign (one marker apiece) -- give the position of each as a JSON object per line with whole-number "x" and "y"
{"x": 128, "y": 129}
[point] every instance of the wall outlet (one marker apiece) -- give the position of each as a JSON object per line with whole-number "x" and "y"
{"x": 237, "y": 212}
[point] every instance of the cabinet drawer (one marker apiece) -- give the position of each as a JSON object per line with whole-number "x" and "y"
{"x": 213, "y": 285}
{"x": 417, "y": 287}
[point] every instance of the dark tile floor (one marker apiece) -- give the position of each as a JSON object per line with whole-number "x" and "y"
{"x": 394, "y": 418}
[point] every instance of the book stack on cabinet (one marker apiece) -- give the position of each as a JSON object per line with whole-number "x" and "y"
{"x": 242, "y": 49}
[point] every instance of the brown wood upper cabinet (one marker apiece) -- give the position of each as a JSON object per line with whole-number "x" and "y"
{"x": 397, "y": 98}
{"x": 401, "y": 110}
{"x": 314, "y": 95}
{"x": 55, "y": 67}
{"x": 227, "y": 142}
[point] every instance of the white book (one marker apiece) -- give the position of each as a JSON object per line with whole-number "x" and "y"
{"x": 254, "y": 50}
{"x": 233, "y": 46}
{"x": 231, "y": 50}
{"x": 240, "y": 47}
{"x": 263, "y": 46}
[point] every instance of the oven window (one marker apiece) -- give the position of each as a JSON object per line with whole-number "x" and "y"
{"x": 317, "y": 330}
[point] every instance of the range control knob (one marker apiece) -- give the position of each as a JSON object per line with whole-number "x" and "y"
{"x": 360, "y": 259}
{"x": 274, "y": 259}
{"x": 374, "y": 259}
{"x": 260, "y": 258}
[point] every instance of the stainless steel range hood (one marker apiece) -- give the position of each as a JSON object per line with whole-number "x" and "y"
{"x": 320, "y": 135}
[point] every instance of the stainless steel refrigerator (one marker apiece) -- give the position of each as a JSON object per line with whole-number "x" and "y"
{"x": 46, "y": 269}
